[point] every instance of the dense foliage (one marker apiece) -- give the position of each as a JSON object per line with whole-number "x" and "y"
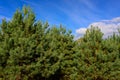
{"x": 31, "y": 50}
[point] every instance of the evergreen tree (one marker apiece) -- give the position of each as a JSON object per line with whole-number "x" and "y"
{"x": 31, "y": 50}
{"x": 99, "y": 58}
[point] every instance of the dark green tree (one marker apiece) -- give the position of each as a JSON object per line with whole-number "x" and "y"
{"x": 30, "y": 49}
{"x": 98, "y": 58}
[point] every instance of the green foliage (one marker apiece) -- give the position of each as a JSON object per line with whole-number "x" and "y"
{"x": 31, "y": 50}
{"x": 99, "y": 58}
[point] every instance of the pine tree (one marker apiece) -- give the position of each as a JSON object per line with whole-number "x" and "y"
{"x": 31, "y": 50}
{"x": 98, "y": 57}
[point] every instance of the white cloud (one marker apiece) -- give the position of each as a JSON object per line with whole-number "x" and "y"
{"x": 108, "y": 27}
{"x": 81, "y": 30}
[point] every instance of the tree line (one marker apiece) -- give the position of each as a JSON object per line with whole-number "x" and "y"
{"x": 32, "y": 50}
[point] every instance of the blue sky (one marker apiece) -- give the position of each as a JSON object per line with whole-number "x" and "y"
{"x": 73, "y": 14}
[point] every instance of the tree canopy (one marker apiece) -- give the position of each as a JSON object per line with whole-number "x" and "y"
{"x": 32, "y": 50}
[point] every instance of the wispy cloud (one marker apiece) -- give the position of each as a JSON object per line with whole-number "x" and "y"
{"x": 4, "y": 17}
{"x": 108, "y": 27}
{"x": 1, "y": 7}
{"x": 79, "y": 11}
{"x": 88, "y": 4}
{"x": 30, "y": 2}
